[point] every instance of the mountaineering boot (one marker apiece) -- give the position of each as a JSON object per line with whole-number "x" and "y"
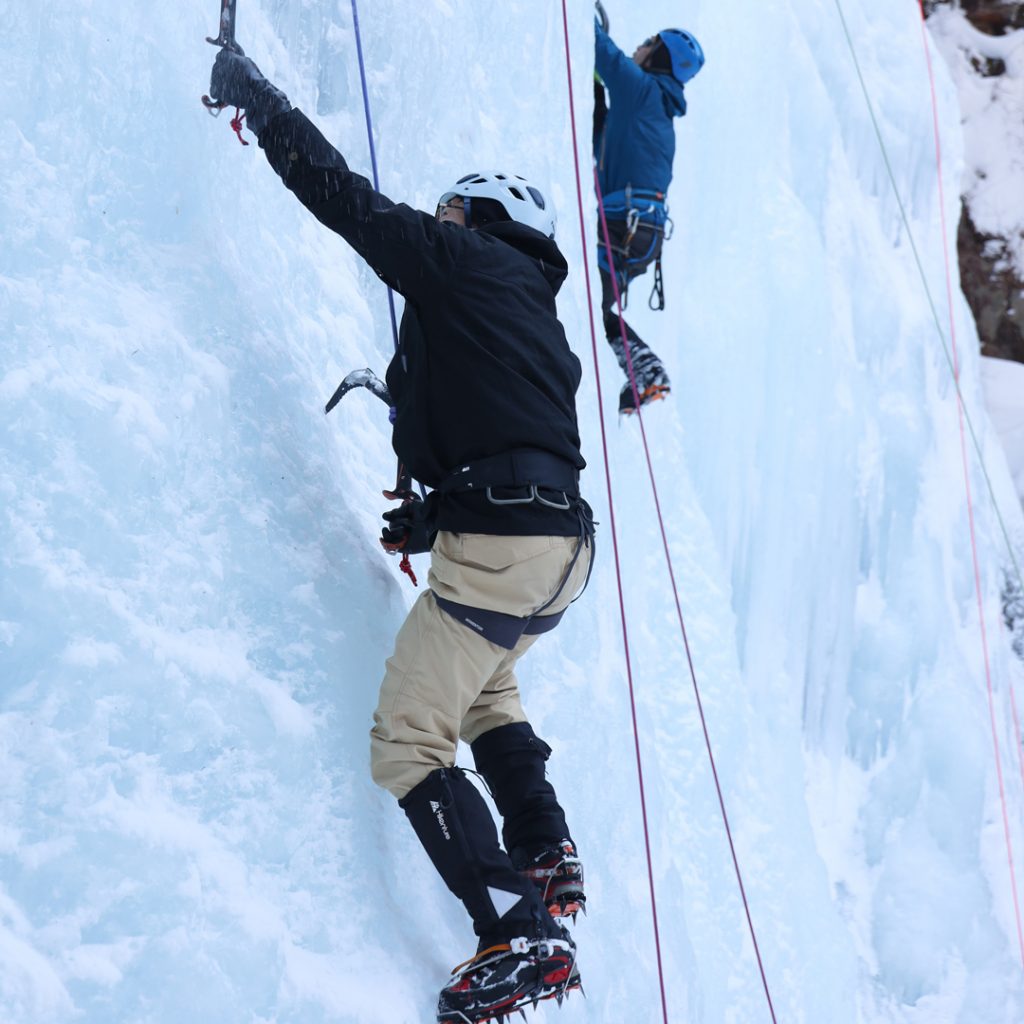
{"x": 652, "y": 381}
{"x": 511, "y": 760}
{"x": 658, "y": 388}
{"x": 523, "y": 955}
{"x": 505, "y": 978}
{"x": 558, "y": 874}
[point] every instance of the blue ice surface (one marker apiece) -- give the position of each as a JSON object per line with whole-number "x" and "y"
{"x": 194, "y": 611}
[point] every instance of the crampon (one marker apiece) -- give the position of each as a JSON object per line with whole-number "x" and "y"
{"x": 558, "y": 874}
{"x": 627, "y": 401}
{"x": 505, "y": 979}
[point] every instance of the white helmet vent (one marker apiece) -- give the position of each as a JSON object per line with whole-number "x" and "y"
{"x": 521, "y": 201}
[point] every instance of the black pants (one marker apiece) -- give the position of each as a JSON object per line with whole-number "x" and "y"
{"x": 512, "y": 761}
{"x": 630, "y": 262}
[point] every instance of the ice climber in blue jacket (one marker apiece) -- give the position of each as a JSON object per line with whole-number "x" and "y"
{"x": 634, "y": 144}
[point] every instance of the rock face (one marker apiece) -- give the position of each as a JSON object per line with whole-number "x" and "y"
{"x": 996, "y": 17}
{"x": 983, "y": 41}
{"x": 994, "y": 289}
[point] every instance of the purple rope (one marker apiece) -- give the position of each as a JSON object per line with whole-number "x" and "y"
{"x": 376, "y": 185}
{"x": 373, "y": 152}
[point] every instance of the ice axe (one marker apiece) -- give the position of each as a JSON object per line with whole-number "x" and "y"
{"x": 362, "y": 379}
{"x": 403, "y": 488}
{"x": 226, "y": 41}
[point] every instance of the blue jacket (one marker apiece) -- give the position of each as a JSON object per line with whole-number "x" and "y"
{"x": 639, "y": 139}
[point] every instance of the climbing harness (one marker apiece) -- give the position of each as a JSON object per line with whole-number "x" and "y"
{"x": 522, "y": 478}
{"x": 644, "y": 219}
{"x": 518, "y": 478}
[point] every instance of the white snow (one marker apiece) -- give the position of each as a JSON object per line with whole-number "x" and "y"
{"x": 194, "y": 611}
{"x": 1003, "y": 383}
{"x": 992, "y": 111}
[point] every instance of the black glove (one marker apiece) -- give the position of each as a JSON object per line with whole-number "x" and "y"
{"x": 237, "y": 82}
{"x": 410, "y": 527}
{"x": 601, "y": 15}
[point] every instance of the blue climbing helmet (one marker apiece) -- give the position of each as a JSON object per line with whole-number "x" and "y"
{"x": 685, "y": 52}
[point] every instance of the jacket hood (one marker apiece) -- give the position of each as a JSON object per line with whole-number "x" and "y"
{"x": 672, "y": 93}
{"x": 532, "y": 243}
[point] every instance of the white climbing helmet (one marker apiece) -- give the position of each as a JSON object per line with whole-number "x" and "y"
{"x": 519, "y": 199}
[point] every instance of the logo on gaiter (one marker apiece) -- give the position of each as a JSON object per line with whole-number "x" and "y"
{"x": 439, "y": 814}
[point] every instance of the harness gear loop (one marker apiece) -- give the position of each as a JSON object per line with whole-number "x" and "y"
{"x": 639, "y": 210}
{"x": 528, "y": 470}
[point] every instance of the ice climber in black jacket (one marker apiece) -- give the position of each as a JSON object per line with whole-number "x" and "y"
{"x": 484, "y": 386}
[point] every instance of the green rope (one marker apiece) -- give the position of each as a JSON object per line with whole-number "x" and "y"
{"x": 928, "y": 292}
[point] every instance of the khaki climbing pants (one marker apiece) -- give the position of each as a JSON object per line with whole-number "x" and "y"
{"x": 444, "y": 680}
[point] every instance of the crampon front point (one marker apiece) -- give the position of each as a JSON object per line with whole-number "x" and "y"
{"x": 505, "y": 979}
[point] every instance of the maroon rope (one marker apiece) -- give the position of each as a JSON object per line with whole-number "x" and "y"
{"x": 615, "y": 538}
{"x": 668, "y": 556}
{"x": 675, "y": 592}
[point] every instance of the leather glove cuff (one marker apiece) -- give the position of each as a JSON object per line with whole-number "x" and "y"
{"x": 236, "y": 81}
{"x": 410, "y": 528}
{"x": 267, "y": 102}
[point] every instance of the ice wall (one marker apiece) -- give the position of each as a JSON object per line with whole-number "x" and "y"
{"x": 194, "y": 612}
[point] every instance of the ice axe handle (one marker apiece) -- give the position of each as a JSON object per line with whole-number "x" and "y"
{"x": 226, "y": 41}
{"x": 226, "y": 36}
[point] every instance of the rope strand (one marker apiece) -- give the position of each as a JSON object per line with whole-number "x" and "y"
{"x": 953, "y": 362}
{"x": 668, "y": 556}
{"x": 962, "y": 413}
{"x": 373, "y": 150}
{"x": 614, "y": 530}
{"x": 675, "y": 592}
{"x": 406, "y": 566}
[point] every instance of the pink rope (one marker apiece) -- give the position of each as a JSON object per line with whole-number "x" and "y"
{"x": 668, "y": 556}
{"x": 967, "y": 488}
{"x": 1016, "y": 733}
{"x": 1016, "y": 721}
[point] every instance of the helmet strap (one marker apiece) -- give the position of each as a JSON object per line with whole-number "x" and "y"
{"x": 659, "y": 60}
{"x": 467, "y": 209}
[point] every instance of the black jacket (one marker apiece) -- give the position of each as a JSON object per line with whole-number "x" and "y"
{"x": 483, "y": 366}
